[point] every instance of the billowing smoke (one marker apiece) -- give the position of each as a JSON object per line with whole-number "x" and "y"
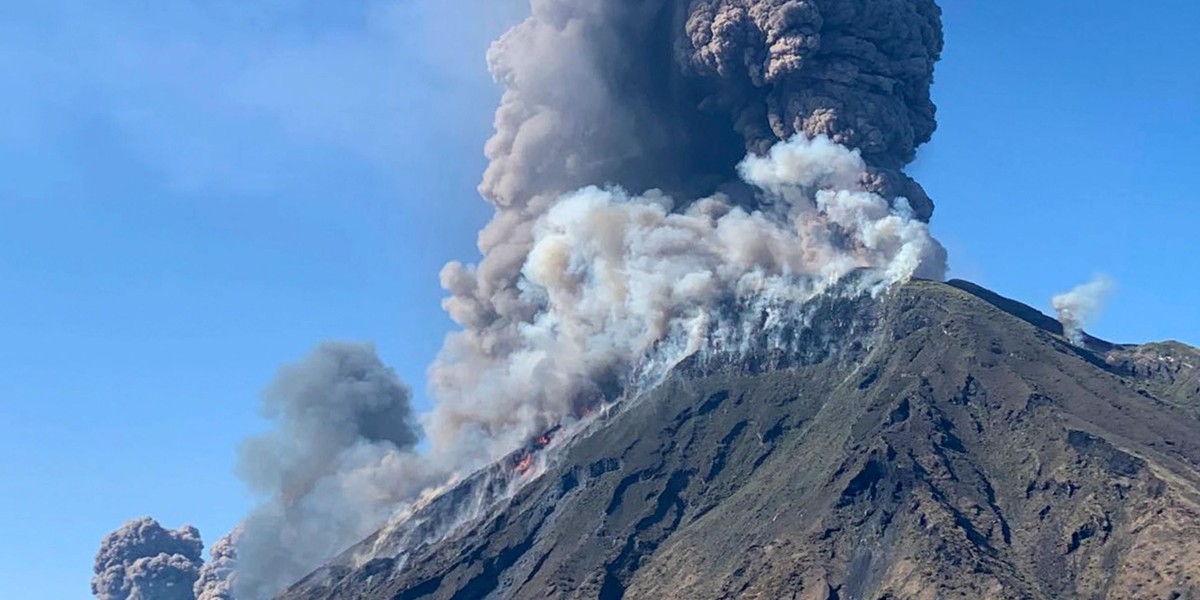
{"x": 1079, "y": 306}
{"x": 611, "y": 276}
{"x": 657, "y": 104}
{"x": 336, "y": 464}
{"x": 857, "y": 71}
{"x": 145, "y": 561}
{"x": 332, "y": 469}
{"x": 217, "y": 576}
{"x": 670, "y": 94}
{"x": 653, "y": 164}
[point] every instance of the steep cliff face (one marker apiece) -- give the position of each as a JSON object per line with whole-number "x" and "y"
{"x": 937, "y": 442}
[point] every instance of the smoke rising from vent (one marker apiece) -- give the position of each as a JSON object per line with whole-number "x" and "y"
{"x": 1079, "y": 306}
{"x": 145, "y": 561}
{"x": 653, "y": 164}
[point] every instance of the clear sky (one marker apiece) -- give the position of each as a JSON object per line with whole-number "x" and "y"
{"x": 194, "y": 192}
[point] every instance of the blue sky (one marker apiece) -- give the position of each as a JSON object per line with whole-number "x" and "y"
{"x": 194, "y": 192}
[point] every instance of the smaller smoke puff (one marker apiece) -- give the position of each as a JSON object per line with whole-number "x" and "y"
{"x": 331, "y": 471}
{"x": 145, "y": 561}
{"x": 1079, "y": 306}
{"x": 217, "y": 577}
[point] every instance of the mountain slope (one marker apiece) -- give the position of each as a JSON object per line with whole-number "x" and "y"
{"x": 939, "y": 442}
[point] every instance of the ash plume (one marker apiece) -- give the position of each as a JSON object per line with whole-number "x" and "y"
{"x": 1079, "y": 306}
{"x": 655, "y": 105}
{"x": 145, "y": 561}
{"x": 332, "y": 469}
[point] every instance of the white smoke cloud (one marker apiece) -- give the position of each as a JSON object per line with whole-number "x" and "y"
{"x": 1079, "y": 306}
{"x": 611, "y": 276}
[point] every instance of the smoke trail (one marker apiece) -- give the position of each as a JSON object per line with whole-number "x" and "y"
{"x": 1079, "y": 306}
{"x": 145, "y": 561}
{"x": 331, "y": 471}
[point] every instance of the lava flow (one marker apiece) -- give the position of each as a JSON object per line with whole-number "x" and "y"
{"x": 524, "y": 464}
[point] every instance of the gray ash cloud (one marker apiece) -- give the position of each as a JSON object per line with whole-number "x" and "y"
{"x": 330, "y": 471}
{"x": 216, "y": 578}
{"x": 145, "y": 561}
{"x": 858, "y": 72}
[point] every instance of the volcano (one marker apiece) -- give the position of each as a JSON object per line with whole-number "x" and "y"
{"x": 934, "y": 441}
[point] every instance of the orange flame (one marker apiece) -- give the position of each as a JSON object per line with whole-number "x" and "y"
{"x": 525, "y": 464}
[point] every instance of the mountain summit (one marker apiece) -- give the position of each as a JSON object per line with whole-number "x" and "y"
{"x": 936, "y": 442}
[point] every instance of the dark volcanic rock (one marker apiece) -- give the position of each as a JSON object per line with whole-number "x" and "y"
{"x": 1171, "y": 370}
{"x": 940, "y": 442}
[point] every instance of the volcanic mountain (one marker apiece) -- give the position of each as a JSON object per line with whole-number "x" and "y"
{"x": 936, "y": 441}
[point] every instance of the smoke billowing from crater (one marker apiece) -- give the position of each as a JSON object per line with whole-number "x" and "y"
{"x": 611, "y": 277}
{"x": 653, "y": 162}
{"x": 659, "y": 102}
